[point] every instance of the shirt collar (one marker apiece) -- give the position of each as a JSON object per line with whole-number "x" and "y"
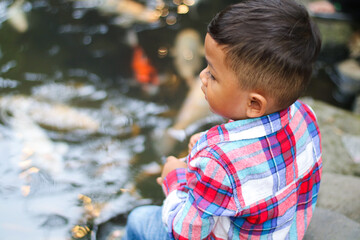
{"x": 257, "y": 127}
{"x": 245, "y": 129}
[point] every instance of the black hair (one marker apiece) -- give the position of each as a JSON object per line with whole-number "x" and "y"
{"x": 270, "y": 44}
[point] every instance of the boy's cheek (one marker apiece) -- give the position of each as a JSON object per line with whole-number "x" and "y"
{"x": 203, "y": 89}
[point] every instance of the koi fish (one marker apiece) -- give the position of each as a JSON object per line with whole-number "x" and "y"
{"x": 188, "y": 53}
{"x": 143, "y": 69}
{"x": 17, "y": 17}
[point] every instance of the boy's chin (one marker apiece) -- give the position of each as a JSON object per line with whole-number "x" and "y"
{"x": 216, "y": 112}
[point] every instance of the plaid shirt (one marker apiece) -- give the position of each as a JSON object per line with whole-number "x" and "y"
{"x": 248, "y": 179}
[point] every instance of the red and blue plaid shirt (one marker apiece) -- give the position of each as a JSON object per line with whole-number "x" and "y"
{"x": 248, "y": 179}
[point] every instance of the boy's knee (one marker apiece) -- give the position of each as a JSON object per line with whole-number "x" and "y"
{"x": 141, "y": 214}
{"x": 135, "y": 215}
{"x": 141, "y": 220}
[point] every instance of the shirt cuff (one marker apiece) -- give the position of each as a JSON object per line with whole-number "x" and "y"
{"x": 175, "y": 180}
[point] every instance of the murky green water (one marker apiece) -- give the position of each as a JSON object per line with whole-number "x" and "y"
{"x": 78, "y": 133}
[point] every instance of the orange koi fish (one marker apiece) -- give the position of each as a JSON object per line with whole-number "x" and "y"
{"x": 142, "y": 68}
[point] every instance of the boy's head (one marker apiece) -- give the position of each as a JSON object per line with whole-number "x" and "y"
{"x": 269, "y": 45}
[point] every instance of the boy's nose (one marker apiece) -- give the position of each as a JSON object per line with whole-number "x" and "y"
{"x": 203, "y": 77}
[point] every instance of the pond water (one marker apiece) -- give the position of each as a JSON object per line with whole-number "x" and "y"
{"x": 79, "y": 119}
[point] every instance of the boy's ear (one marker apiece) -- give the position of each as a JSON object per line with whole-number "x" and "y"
{"x": 256, "y": 105}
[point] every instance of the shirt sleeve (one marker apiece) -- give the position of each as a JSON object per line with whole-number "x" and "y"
{"x": 195, "y": 197}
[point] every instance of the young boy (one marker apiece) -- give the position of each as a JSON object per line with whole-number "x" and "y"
{"x": 258, "y": 175}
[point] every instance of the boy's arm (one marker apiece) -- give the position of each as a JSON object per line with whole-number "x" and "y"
{"x": 195, "y": 197}
{"x": 172, "y": 163}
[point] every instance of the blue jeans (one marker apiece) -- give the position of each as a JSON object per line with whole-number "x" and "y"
{"x": 144, "y": 223}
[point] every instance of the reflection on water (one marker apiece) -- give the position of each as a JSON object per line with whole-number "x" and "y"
{"x": 78, "y": 111}
{"x": 78, "y": 117}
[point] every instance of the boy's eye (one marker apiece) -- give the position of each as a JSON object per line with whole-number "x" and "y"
{"x": 210, "y": 75}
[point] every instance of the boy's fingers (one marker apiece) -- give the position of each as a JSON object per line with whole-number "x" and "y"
{"x": 159, "y": 180}
{"x": 169, "y": 158}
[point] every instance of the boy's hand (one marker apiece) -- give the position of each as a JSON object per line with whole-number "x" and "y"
{"x": 194, "y": 138}
{"x": 172, "y": 163}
